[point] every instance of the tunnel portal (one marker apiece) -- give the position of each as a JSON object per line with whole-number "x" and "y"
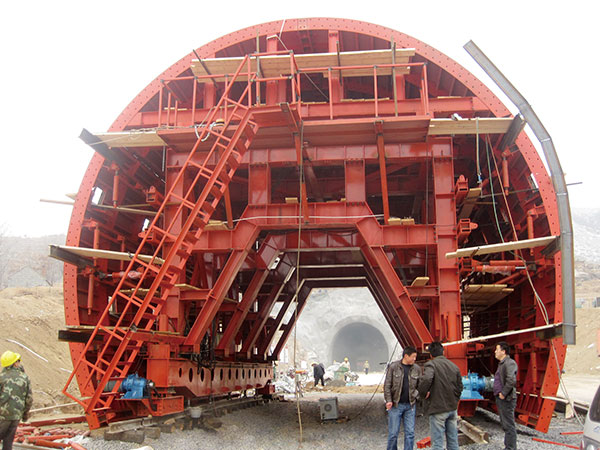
{"x": 360, "y": 342}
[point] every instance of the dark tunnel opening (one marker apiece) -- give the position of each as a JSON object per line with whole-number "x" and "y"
{"x": 360, "y": 342}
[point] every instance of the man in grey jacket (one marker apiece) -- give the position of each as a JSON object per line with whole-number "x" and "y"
{"x": 400, "y": 393}
{"x": 441, "y": 386}
{"x": 506, "y": 394}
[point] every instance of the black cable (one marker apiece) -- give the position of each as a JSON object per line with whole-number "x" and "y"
{"x": 379, "y": 384}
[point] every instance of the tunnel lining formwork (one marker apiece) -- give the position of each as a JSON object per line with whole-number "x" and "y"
{"x": 324, "y": 153}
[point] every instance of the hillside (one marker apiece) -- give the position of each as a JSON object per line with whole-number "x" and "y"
{"x": 24, "y": 261}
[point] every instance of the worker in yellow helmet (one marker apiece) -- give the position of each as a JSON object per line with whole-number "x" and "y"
{"x": 15, "y": 397}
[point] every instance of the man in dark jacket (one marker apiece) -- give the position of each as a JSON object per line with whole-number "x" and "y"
{"x": 400, "y": 393}
{"x": 15, "y": 397}
{"x": 506, "y": 394}
{"x": 318, "y": 373}
{"x": 441, "y": 386}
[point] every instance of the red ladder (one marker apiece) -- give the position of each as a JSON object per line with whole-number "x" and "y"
{"x": 120, "y": 349}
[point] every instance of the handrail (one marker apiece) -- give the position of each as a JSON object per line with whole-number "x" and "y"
{"x": 253, "y": 77}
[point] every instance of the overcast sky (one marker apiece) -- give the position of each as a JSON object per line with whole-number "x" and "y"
{"x": 70, "y": 65}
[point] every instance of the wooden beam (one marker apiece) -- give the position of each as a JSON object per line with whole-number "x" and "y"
{"x": 503, "y": 247}
{"x": 488, "y": 125}
{"x": 148, "y": 138}
{"x": 105, "y": 254}
{"x": 506, "y": 333}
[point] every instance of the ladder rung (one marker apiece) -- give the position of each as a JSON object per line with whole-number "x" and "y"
{"x": 224, "y": 177}
{"x": 216, "y": 190}
{"x": 208, "y": 207}
{"x": 240, "y": 145}
{"x": 249, "y": 132}
{"x": 147, "y": 265}
{"x": 94, "y": 367}
{"x": 220, "y": 144}
{"x": 124, "y": 363}
{"x": 220, "y": 135}
{"x": 188, "y": 204}
{"x": 184, "y": 251}
{"x": 162, "y": 232}
{"x": 149, "y": 316}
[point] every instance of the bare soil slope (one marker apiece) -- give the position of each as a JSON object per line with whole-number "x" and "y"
{"x": 31, "y": 317}
{"x": 583, "y": 357}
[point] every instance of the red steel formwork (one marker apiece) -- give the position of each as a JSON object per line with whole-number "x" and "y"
{"x": 299, "y": 154}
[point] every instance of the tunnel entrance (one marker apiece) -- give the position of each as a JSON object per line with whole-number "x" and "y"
{"x": 360, "y": 342}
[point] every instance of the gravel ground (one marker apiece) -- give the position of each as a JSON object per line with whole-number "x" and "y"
{"x": 275, "y": 426}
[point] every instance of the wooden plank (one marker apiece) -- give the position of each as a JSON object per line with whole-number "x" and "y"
{"x": 420, "y": 281}
{"x": 276, "y": 65}
{"x": 484, "y": 294}
{"x": 491, "y": 125}
{"x": 147, "y": 138}
{"x": 107, "y": 254}
{"x": 401, "y": 221}
{"x": 503, "y": 247}
{"x": 469, "y": 203}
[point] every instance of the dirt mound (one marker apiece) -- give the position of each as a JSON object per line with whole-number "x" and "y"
{"x": 31, "y": 317}
{"x": 583, "y": 357}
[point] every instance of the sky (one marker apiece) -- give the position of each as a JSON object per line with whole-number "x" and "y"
{"x": 72, "y": 65}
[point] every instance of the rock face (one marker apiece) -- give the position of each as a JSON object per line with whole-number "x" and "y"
{"x": 586, "y": 234}
{"x": 345, "y": 322}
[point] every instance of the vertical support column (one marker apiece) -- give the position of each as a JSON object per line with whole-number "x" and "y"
{"x": 276, "y": 90}
{"x": 210, "y": 94}
{"x": 445, "y": 218}
{"x": 355, "y": 181}
{"x": 336, "y": 93}
{"x": 172, "y": 316}
{"x": 383, "y": 172}
{"x": 259, "y": 184}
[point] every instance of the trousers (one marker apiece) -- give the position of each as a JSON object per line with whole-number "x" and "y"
{"x": 406, "y": 413}
{"x": 506, "y": 411}
{"x": 8, "y": 429}
{"x": 444, "y": 425}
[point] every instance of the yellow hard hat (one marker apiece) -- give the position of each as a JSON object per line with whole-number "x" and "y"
{"x": 345, "y": 359}
{"x": 9, "y": 358}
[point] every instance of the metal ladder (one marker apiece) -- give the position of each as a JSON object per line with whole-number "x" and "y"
{"x": 120, "y": 348}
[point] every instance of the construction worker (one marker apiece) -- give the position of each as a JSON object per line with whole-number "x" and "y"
{"x": 366, "y": 367}
{"x": 346, "y": 364}
{"x": 15, "y": 397}
{"x": 318, "y": 373}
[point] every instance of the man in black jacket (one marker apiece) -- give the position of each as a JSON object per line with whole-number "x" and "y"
{"x": 400, "y": 393}
{"x": 506, "y": 394}
{"x": 318, "y": 373}
{"x": 441, "y": 386}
